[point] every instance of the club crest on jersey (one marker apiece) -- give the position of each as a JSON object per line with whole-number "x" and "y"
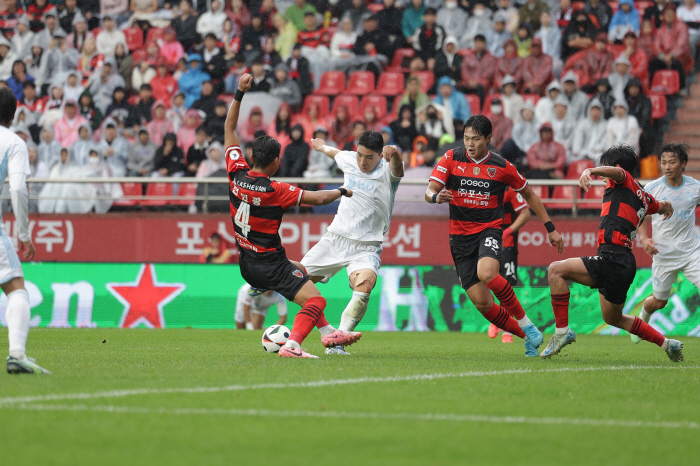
{"x": 477, "y": 170}
{"x": 297, "y": 273}
{"x": 491, "y": 171}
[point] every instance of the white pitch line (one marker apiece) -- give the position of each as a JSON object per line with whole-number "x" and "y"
{"x": 318, "y": 383}
{"x": 475, "y": 418}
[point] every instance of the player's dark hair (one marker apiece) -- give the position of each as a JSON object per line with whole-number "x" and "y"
{"x": 678, "y": 148}
{"x": 372, "y": 140}
{"x": 8, "y": 106}
{"x": 265, "y": 150}
{"x": 622, "y": 155}
{"x": 479, "y": 124}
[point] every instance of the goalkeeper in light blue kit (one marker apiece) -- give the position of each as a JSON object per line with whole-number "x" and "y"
{"x": 674, "y": 244}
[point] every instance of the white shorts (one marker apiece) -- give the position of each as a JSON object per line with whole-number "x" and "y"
{"x": 10, "y": 266}
{"x": 665, "y": 274}
{"x": 334, "y": 253}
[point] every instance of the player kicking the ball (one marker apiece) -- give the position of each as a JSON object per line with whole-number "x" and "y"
{"x": 257, "y": 205}
{"x": 674, "y": 245}
{"x": 14, "y": 164}
{"x": 354, "y": 239}
{"x": 252, "y": 310}
{"x": 612, "y": 271}
{"x": 473, "y": 180}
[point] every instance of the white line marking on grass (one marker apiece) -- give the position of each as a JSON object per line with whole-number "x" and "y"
{"x": 348, "y": 415}
{"x": 319, "y": 383}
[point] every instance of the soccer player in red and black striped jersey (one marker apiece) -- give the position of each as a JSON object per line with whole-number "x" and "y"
{"x": 473, "y": 181}
{"x": 257, "y": 205}
{"x": 612, "y": 270}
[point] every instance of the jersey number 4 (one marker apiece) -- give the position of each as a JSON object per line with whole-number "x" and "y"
{"x": 242, "y": 218}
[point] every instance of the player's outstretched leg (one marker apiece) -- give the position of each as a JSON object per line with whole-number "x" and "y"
{"x": 649, "y": 306}
{"x": 18, "y": 315}
{"x": 312, "y": 306}
{"x": 363, "y": 282}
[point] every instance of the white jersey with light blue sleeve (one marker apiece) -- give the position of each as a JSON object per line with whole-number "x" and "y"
{"x": 677, "y": 237}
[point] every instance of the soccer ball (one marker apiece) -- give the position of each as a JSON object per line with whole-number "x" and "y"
{"x": 274, "y": 338}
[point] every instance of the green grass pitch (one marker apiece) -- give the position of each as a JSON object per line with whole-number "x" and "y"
{"x": 213, "y": 397}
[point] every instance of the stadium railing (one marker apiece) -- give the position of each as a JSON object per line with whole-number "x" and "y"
{"x": 572, "y": 203}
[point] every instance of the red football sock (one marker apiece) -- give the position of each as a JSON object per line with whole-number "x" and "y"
{"x": 499, "y": 317}
{"x": 322, "y": 321}
{"x": 646, "y": 332}
{"x": 506, "y": 296}
{"x": 560, "y": 305}
{"x": 306, "y": 319}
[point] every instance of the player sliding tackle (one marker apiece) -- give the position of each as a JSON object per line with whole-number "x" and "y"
{"x": 612, "y": 271}
{"x": 473, "y": 180}
{"x": 675, "y": 246}
{"x": 354, "y": 239}
{"x": 257, "y": 205}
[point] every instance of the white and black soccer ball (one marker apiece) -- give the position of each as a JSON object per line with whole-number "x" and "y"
{"x": 274, "y": 338}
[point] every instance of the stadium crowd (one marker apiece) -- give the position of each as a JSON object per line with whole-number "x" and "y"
{"x": 141, "y": 87}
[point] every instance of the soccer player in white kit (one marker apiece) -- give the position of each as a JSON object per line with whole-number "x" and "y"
{"x": 252, "y": 310}
{"x": 14, "y": 164}
{"x": 674, "y": 245}
{"x": 354, "y": 238}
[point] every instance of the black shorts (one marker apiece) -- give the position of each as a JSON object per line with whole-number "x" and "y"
{"x": 468, "y": 249}
{"x": 272, "y": 271}
{"x": 612, "y": 271}
{"x": 509, "y": 265}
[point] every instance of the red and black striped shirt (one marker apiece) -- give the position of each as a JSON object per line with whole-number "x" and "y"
{"x": 478, "y": 189}
{"x": 625, "y": 204}
{"x": 257, "y": 205}
{"x": 314, "y": 38}
{"x": 512, "y": 204}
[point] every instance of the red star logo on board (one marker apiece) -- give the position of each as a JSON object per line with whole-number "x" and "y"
{"x": 144, "y": 298}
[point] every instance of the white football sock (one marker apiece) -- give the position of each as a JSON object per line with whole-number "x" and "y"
{"x": 644, "y": 315}
{"x": 524, "y": 322}
{"x": 354, "y": 312}
{"x": 292, "y": 344}
{"x": 562, "y": 331}
{"x": 327, "y": 330}
{"x": 665, "y": 345}
{"x": 18, "y": 315}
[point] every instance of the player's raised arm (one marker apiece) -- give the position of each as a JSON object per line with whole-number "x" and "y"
{"x": 392, "y": 155}
{"x": 320, "y": 145}
{"x": 324, "y": 197}
{"x": 616, "y": 174}
{"x": 230, "y": 135}
{"x": 536, "y": 205}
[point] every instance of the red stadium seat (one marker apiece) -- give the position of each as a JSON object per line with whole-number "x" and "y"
{"x": 186, "y": 190}
{"x": 361, "y": 83}
{"x": 134, "y": 38}
{"x": 397, "y": 61}
{"x": 614, "y": 5}
{"x": 642, "y": 5}
{"x": 154, "y": 34}
{"x": 487, "y": 102}
{"x": 564, "y": 192}
{"x": 665, "y": 82}
{"x": 375, "y": 7}
{"x": 130, "y": 189}
{"x": 322, "y": 101}
{"x": 391, "y": 83}
{"x": 593, "y": 198}
{"x": 427, "y": 78}
{"x": 541, "y": 191}
{"x": 158, "y": 189}
{"x": 474, "y": 103}
{"x": 353, "y": 104}
{"x": 658, "y": 106}
{"x": 138, "y": 56}
{"x": 378, "y": 101}
{"x": 576, "y": 168}
{"x": 332, "y": 83}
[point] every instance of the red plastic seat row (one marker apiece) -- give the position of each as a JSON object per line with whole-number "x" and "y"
{"x": 157, "y": 189}
{"x": 333, "y": 83}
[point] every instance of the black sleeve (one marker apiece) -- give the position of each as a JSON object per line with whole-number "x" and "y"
{"x": 158, "y": 159}
{"x": 359, "y": 47}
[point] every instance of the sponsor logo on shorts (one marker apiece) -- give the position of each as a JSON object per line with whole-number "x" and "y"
{"x": 442, "y": 169}
{"x": 297, "y": 273}
{"x": 491, "y": 171}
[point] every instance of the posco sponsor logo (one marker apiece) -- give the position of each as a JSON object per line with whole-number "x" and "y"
{"x": 477, "y": 183}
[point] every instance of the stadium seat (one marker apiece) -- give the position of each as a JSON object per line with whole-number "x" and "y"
{"x": 397, "y": 61}
{"x": 186, "y": 190}
{"x": 332, "y": 83}
{"x": 474, "y": 103}
{"x": 129, "y": 189}
{"x": 427, "y": 78}
{"x": 593, "y": 198}
{"x": 564, "y": 192}
{"x": 577, "y": 167}
{"x": 137, "y": 56}
{"x": 487, "y": 102}
{"x": 532, "y": 98}
{"x": 658, "y": 106}
{"x": 614, "y": 5}
{"x": 642, "y": 5}
{"x": 352, "y": 102}
{"x": 391, "y": 83}
{"x": 379, "y": 101}
{"x": 134, "y": 38}
{"x": 360, "y": 83}
{"x": 154, "y": 34}
{"x": 322, "y": 101}
{"x": 541, "y": 191}
{"x": 665, "y": 82}
{"x": 158, "y": 189}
